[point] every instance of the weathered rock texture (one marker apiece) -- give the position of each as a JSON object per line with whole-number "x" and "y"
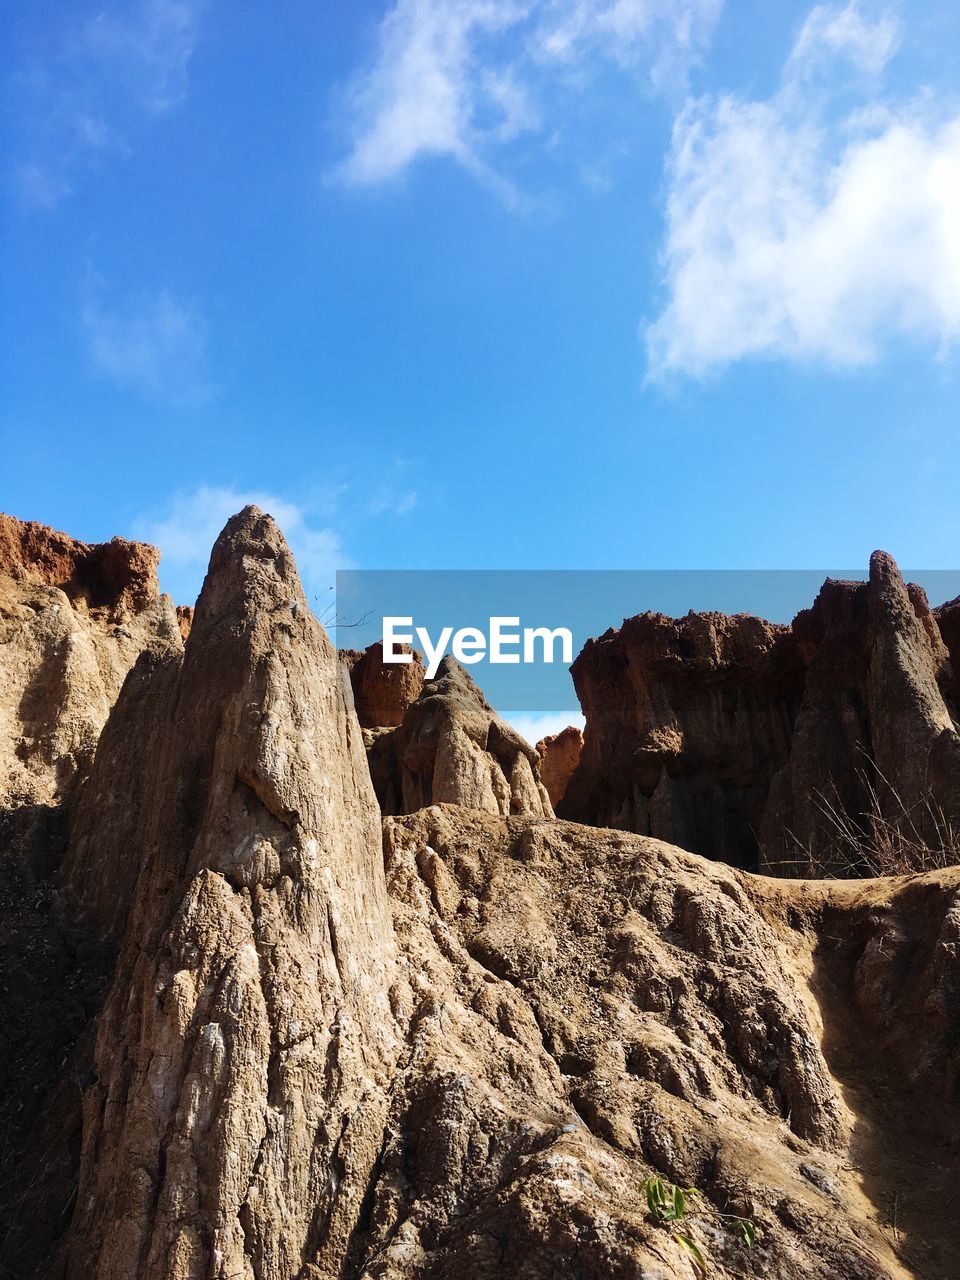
{"x": 382, "y": 691}
{"x": 73, "y": 619}
{"x": 873, "y": 736}
{"x": 456, "y": 1045}
{"x": 185, "y": 619}
{"x": 559, "y": 756}
{"x": 452, "y": 748}
{"x": 248, "y": 1021}
{"x": 731, "y": 736}
{"x": 599, "y": 1006}
{"x": 948, "y": 622}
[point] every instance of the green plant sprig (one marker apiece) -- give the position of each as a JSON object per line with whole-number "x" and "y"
{"x": 667, "y": 1204}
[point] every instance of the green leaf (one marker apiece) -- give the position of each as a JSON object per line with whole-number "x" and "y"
{"x": 749, "y": 1231}
{"x": 693, "y": 1249}
{"x": 654, "y": 1190}
{"x": 679, "y": 1204}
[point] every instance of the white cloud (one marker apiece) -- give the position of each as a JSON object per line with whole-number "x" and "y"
{"x": 831, "y": 32}
{"x": 155, "y": 345}
{"x": 791, "y": 233}
{"x": 428, "y": 87}
{"x": 110, "y": 75}
{"x": 630, "y": 32}
{"x": 533, "y": 725}
{"x": 460, "y": 78}
{"x": 186, "y": 534}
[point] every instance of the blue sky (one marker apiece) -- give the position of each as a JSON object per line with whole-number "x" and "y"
{"x": 525, "y": 283}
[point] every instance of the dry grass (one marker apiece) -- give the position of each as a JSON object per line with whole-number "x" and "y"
{"x": 888, "y": 838}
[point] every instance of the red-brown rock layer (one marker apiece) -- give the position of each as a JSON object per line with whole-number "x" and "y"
{"x": 751, "y": 742}
{"x": 184, "y": 619}
{"x": 73, "y": 619}
{"x": 117, "y": 576}
{"x": 382, "y": 691}
{"x": 559, "y": 756}
{"x": 687, "y": 720}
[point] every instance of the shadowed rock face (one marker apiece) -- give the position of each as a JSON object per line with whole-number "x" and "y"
{"x": 730, "y": 736}
{"x": 687, "y": 720}
{"x": 453, "y": 748}
{"x": 948, "y": 621}
{"x": 559, "y": 756}
{"x": 73, "y": 620}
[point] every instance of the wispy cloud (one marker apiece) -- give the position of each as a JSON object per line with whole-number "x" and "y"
{"x": 461, "y": 79}
{"x": 830, "y": 32}
{"x": 106, "y": 78}
{"x": 187, "y": 530}
{"x": 800, "y": 228}
{"x": 154, "y": 344}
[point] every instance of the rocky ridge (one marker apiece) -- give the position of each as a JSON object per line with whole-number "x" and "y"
{"x": 747, "y": 741}
{"x": 454, "y": 1040}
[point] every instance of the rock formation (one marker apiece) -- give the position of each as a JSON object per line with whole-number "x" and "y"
{"x": 459, "y": 1041}
{"x": 248, "y": 1021}
{"x": 687, "y": 721}
{"x": 73, "y": 620}
{"x": 185, "y": 619}
{"x": 559, "y": 756}
{"x": 948, "y": 622}
{"x": 382, "y": 691}
{"x": 873, "y": 738}
{"x": 747, "y": 741}
{"x": 451, "y": 747}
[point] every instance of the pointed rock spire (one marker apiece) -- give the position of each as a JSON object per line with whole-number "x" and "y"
{"x": 248, "y": 1020}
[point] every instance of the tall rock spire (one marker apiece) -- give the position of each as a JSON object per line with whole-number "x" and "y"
{"x": 247, "y": 1024}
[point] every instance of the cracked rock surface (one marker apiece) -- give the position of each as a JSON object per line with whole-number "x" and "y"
{"x": 312, "y": 1043}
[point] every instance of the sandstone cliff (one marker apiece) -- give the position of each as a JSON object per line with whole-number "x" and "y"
{"x": 755, "y": 743}
{"x": 457, "y": 1041}
{"x": 248, "y": 1021}
{"x": 948, "y": 621}
{"x": 74, "y": 618}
